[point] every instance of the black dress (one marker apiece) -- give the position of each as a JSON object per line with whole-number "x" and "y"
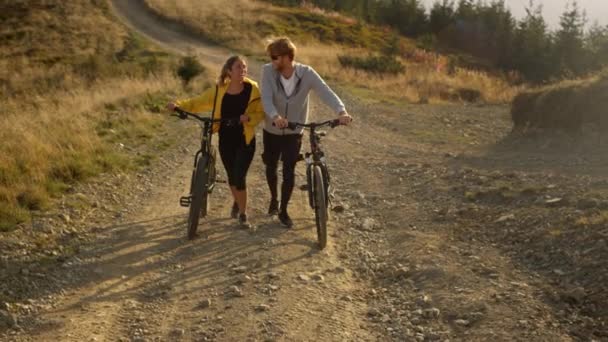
{"x": 236, "y": 154}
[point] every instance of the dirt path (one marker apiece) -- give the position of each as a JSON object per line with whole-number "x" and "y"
{"x": 438, "y": 240}
{"x": 171, "y": 35}
{"x": 144, "y": 281}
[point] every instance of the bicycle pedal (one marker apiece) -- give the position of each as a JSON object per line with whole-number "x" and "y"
{"x": 185, "y": 201}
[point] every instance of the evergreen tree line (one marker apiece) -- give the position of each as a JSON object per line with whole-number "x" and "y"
{"x": 488, "y": 30}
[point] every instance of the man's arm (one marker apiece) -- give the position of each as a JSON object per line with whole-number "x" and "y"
{"x": 267, "y": 95}
{"x": 326, "y": 94}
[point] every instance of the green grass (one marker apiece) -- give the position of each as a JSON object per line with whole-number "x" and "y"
{"x": 373, "y": 64}
{"x": 145, "y": 160}
{"x": 11, "y": 216}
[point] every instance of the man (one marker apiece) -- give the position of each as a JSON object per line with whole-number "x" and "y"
{"x": 285, "y": 88}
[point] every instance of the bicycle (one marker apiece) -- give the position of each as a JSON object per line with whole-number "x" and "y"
{"x": 204, "y": 171}
{"x": 317, "y": 176}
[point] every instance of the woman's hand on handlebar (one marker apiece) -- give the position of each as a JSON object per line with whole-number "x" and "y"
{"x": 171, "y": 106}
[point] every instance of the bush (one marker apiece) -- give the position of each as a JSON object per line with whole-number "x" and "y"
{"x": 189, "y": 68}
{"x": 373, "y": 64}
{"x": 564, "y": 107}
{"x": 469, "y": 94}
{"x": 11, "y": 216}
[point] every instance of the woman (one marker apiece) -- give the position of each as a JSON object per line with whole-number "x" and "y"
{"x": 238, "y": 97}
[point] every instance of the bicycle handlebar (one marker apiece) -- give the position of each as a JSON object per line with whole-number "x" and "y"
{"x": 182, "y": 114}
{"x": 331, "y": 123}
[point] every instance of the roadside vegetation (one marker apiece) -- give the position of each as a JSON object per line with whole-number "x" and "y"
{"x": 572, "y": 107}
{"x": 345, "y": 49}
{"x": 77, "y": 87}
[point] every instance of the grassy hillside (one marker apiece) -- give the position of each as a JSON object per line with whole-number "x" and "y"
{"x": 326, "y": 38}
{"x": 53, "y": 45}
{"x": 75, "y": 84}
{"x": 569, "y": 106}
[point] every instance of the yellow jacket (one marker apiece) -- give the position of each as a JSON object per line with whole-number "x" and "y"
{"x": 204, "y": 103}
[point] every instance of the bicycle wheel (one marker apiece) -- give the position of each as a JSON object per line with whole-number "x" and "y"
{"x": 198, "y": 204}
{"x": 320, "y": 206}
{"x": 210, "y": 181}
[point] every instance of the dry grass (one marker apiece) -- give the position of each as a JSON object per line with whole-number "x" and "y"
{"x": 598, "y": 219}
{"x": 237, "y": 24}
{"x": 43, "y": 41}
{"x": 219, "y": 21}
{"x": 420, "y": 83}
{"x": 569, "y": 106}
{"x": 54, "y": 45}
{"x": 74, "y": 83}
{"x": 53, "y": 142}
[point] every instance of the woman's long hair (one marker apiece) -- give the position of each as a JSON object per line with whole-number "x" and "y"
{"x": 224, "y": 74}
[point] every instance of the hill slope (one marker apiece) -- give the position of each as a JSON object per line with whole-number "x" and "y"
{"x": 64, "y": 66}
{"x": 322, "y": 38}
{"x": 568, "y": 107}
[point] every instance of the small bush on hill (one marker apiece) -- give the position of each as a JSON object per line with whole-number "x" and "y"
{"x": 374, "y": 64}
{"x": 189, "y": 68}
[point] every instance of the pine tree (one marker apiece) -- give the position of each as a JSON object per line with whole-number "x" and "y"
{"x": 466, "y": 10}
{"x": 596, "y": 44}
{"x": 496, "y": 30}
{"x": 441, "y": 16}
{"x": 569, "y": 50}
{"x": 407, "y": 16}
{"x": 532, "y": 46}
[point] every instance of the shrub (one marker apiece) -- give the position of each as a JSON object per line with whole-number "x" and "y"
{"x": 373, "y": 64}
{"x": 565, "y": 107}
{"x": 469, "y": 94}
{"x": 189, "y": 68}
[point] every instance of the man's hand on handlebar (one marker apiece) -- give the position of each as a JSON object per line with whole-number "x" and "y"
{"x": 345, "y": 118}
{"x": 280, "y": 122}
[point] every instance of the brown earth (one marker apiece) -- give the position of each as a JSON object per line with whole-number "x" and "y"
{"x": 451, "y": 230}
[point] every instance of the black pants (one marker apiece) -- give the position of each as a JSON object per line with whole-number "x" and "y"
{"x": 286, "y": 148}
{"x": 237, "y": 156}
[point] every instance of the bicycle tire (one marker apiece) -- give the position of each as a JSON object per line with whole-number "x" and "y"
{"x": 210, "y": 181}
{"x": 320, "y": 206}
{"x": 198, "y": 204}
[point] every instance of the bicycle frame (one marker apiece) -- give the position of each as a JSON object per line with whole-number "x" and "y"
{"x": 205, "y": 148}
{"x": 206, "y": 136}
{"x": 316, "y": 157}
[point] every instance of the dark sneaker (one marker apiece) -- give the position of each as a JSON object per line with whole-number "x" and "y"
{"x": 234, "y": 212}
{"x": 273, "y": 209}
{"x": 285, "y": 220}
{"x": 243, "y": 222}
